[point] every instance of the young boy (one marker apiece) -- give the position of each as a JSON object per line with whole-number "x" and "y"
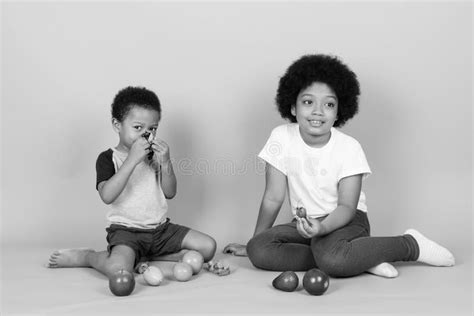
{"x": 135, "y": 178}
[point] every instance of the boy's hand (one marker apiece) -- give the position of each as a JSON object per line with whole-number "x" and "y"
{"x": 308, "y": 227}
{"x": 236, "y": 250}
{"x": 139, "y": 150}
{"x": 161, "y": 150}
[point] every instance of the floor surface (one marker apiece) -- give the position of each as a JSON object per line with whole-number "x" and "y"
{"x": 28, "y": 288}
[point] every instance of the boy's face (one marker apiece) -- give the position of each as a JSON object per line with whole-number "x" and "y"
{"x": 316, "y": 110}
{"x": 137, "y": 122}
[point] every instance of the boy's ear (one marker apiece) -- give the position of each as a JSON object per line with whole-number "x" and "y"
{"x": 293, "y": 110}
{"x": 116, "y": 124}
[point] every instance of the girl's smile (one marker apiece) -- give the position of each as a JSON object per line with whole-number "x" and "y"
{"x": 316, "y": 112}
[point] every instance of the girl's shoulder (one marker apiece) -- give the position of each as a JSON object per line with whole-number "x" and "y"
{"x": 283, "y": 128}
{"x": 344, "y": 140}
{"x": 286, "y": 131}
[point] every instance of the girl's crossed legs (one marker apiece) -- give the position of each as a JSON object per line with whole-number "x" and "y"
{"x": 345, "y": 252}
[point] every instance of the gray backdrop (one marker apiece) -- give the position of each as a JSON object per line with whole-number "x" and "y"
{"x": 215, "y": 67}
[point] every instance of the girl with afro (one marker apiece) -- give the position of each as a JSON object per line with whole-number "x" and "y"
{"x": 322, "y": 170}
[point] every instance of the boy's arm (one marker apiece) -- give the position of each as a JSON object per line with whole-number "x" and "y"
{"x": 109, "y": 190}
{"x": 167, "y": 176}
{"x": 168, "y": 179}
{"x": 348, "y": 196}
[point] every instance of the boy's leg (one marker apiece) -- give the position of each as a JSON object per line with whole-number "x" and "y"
{"x": 281, "y": 248}
{"x": 121, "y": 257}
{"x": 172, "y": 241}
{"x": 205, "y": 244}
{"x": 194, "y": 240}
{"x": 177, "y": 256}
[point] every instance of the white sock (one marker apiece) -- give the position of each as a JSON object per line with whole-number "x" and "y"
{"x": 384, "y": 269}
{"x": 430, "y": 252}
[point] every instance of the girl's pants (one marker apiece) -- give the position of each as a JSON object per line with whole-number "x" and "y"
{"x": 345, "y": 252}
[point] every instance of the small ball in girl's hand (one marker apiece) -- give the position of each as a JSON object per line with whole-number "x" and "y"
{"x": 301, "y": 212}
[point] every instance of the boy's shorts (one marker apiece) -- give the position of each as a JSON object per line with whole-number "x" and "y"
{"x": 164, "y": 239}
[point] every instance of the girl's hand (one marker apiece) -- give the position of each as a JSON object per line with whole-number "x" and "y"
{"x": 308, "y": 227}
{"x": 161, "y": 150}
{"x": 139, "y": 150}
{"x": 236, "y": 250}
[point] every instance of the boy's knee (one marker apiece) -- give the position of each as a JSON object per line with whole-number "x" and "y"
{"x": 121, "y": 257}
{"x": 208, "y": 249}
{"x": 113, "y": 268}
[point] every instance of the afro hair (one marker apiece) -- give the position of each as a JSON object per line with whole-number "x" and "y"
{"x": 134, "y": 96}
{"x": 319, "y": 68}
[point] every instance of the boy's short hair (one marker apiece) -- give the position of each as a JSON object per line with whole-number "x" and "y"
{"x": 134, "y": 96}
{"x": 319, "y": 68}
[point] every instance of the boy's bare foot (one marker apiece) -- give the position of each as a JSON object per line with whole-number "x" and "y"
{"x": 69, "y": 258}
{"x": 385, "y": 270}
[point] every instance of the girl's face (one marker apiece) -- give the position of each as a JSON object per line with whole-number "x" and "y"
{"x": 137, "y": 122}
{"x": 316, "y": 111}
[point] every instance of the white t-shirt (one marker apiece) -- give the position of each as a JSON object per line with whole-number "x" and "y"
{"x": 314, "y": 173}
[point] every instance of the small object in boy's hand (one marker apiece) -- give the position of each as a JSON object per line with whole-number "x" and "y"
{"x": 149, "y": 138}
{"x": 150, "y": 154}
{"x": 217, "y": 267}
{"x": 146, "y": 135}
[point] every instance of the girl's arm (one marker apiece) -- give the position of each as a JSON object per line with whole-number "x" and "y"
{"x": 348, "y": 196}
{"x": 273, "y": 197}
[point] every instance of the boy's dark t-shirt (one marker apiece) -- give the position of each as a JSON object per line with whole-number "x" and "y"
{"x": 104, "y": 167}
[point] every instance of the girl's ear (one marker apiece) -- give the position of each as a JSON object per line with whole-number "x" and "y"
{"x": 293, "y": 110}
{"x": 116, "y": 124}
